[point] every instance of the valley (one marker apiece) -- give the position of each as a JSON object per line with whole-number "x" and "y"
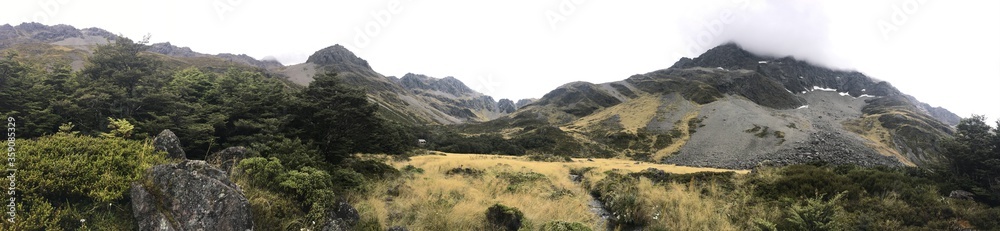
{"x": 118, "y": 134}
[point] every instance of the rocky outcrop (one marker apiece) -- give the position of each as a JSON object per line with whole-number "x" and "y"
{"x": 343, "y": 217}
{"x": 168, "y": 142}
{"x": 524, "y": 102}
{"x": 171, "y": 50}
{"x": 190, "y": 195}
{"x": 227, "y": 158}
{"x": 339, "y": 59}
{"x": 506, "y": 106}
{"x": 449, "y": 85}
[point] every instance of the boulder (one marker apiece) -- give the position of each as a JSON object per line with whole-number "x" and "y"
{"x": 190, "y": 195}
{"x": 961, "y": 194}
{"x": 168, "y": 142}
{"x": 343, "y": 217}
{"x": 227, "y": 158}
{"x": 398, "y": 228}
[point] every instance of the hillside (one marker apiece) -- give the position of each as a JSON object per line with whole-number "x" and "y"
{"x": 732, "y": 109}
{"x": 411, "y": 99}
{"x": 407, "y": 99}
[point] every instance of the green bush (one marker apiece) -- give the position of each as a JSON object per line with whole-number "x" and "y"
{"x": 501, "y": 217}
{"x": 64, "y": 178}
{"x": 516, "y": 180}
{"x": 549, "y": 158}
{"x": 814, "y": 214}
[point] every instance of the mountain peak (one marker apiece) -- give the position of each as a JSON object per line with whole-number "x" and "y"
{"x": 729, "y": 55}
{"x": 337, "y": 54}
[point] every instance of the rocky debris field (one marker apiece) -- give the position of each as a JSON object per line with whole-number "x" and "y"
{"x": 823, "y": 146}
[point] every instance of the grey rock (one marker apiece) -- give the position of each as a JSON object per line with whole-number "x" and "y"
{"x": 506, "y": 106}
{"x": 343, "y": 217}
{"x": 190, "y": 195}
{"x": 398, "y": 228}
{"x": 228, "y": 158}
{"x": 961, "y": 194}
{"x": 168, "y": 142}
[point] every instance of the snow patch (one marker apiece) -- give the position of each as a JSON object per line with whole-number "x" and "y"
{"x": 803, "y": 107}
{"x": 789, "y": 91}
{"x": 844, "y": 94}
{"x": 817, "y": 88}
{"x": 803, "y": 92}
{"x": 800, "y": 77}
{"x": 720, "y": 68}
{"x": 866, "y": 96}
{"x": 864, "y": 89}
{"x": 761, "y": 62}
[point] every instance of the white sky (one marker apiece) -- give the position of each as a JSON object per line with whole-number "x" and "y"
{"x": 945, "y": 53}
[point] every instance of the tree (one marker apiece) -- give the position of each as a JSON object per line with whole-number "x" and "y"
{"x": 973, "y": 158}
{"x": 26, "y": 95}
{"x": 115, "y": 82}
{"x": 342, "y": 121}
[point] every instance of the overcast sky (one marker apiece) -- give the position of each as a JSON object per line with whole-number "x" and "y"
{"x": 945, "y": 53}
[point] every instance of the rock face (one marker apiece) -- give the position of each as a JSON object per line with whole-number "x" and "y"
{"x": 227, "y": 158}
{"x": 341, "y": 60}
{"x": 506, "y": 106}
{"x": 168, "y": 142}
{"x": 190, "y": 195}
{"x": 344, "y": 217}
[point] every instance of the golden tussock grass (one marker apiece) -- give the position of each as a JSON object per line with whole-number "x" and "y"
{"x": 639, "y": 112}
{"x": 434, "y": 200}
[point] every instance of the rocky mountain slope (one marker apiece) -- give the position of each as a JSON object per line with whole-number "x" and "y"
{"x": 412, "y": 99}
{"x": 730, "y": 108}
{"x": 726, "y": 108}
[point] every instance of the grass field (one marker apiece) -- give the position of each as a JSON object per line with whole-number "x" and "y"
{"x": 428, "y": 198}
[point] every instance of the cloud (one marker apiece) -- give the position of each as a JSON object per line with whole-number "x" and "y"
{"x": 765, "y": 27}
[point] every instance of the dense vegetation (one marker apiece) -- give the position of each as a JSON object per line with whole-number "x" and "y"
{"x": 303, "y": 137}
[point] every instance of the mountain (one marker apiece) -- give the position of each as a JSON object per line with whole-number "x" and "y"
{"x": 733, "y": 109}
{"x": 411, "y": 99}
{"x": 67, "y": 45}
{"x": 726, "y": 108}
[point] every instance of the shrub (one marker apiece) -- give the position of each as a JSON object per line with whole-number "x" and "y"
{"x": 815, "y": 214}
{"x": 501, "y": 217}
{"x": 64, "y": 178}
{"x": 518, "y": 179}
{"x": 409, "y": 169}
{"x": 549, "y": 158}
{"x": 471, "y": 172}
